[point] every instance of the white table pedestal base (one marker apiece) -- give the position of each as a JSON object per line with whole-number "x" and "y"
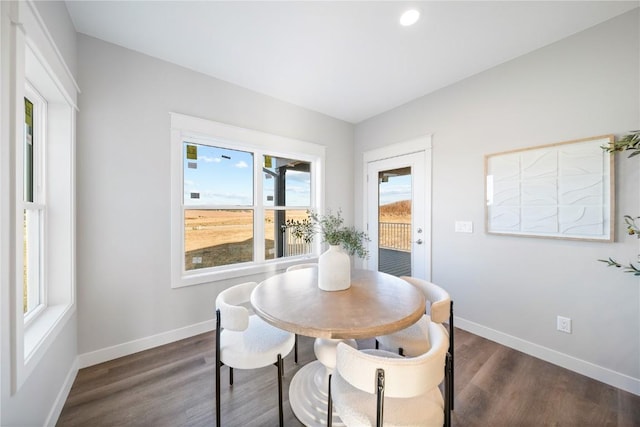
{"x": 309, "y": 386}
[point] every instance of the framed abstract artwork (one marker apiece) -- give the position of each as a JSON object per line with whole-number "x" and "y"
{"x": 563, "y": 190}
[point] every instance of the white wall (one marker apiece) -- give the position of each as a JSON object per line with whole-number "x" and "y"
{"x": 512, "y": 288}
{"x": 123, "y": 189}
{"x": 60, "y": 26}
{"x": 39, "y": 399}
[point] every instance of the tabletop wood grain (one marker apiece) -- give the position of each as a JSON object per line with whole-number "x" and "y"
{"x": 375, "y": 304}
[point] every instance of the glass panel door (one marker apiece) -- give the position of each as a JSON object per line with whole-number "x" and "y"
{"x": 396, "y": 218}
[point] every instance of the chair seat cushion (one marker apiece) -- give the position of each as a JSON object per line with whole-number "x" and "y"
{"x": 255, "y": 347}
{"x": 414, "y": 340}
{"x": 358, "y": 408}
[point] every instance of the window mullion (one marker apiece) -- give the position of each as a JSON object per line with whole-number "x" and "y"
{"x": 35, "y": 206}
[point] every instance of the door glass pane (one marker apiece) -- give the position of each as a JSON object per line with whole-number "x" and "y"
{"x": 394, "y": 221}
{"x": 215, "y": 237}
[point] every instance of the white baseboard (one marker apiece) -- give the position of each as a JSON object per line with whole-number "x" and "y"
{"x": 602, "y": 374}
{"x": 125, "y": 349}
{"x": 56, "y": 409}
{"x": 599, "y": 373}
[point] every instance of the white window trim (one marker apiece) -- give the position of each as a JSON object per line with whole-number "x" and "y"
{"x": 193, "y": 128}
{"x": 34, "y": 57}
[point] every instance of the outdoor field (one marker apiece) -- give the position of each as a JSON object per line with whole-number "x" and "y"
{"x": 222, "y": 237}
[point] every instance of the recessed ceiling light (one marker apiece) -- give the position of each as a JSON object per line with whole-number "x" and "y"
{"x": 410, "y": 17}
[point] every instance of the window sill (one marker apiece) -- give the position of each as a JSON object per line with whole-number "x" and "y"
{"x": 197, "y": 278}
{"x": 39, "y": 335}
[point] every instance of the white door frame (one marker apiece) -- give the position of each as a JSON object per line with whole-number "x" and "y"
{"x": 416, "y": 145}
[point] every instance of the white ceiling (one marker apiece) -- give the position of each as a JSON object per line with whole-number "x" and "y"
{"x": 349, "y": 60}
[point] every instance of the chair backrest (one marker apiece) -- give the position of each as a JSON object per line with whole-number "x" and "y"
{"x": 233, "y": 315}
{"x": 305, "y": 265}
{"x": 439, "y": 299}
{"x": 404, "y": 376}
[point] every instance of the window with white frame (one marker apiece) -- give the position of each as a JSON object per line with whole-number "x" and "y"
{"x": 43, "y": 199}
{"x": 33, "y": 203}
{"x": 237, "y": 188}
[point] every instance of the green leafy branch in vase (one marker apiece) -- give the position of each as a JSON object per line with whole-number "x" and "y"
{"x": 332, "y": 230}
{"x": 630, "y": 142}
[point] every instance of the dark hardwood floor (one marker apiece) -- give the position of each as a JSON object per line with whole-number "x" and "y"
{"x": 173, "y": 385}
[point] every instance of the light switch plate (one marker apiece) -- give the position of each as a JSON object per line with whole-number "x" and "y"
{"x": 464, "y": 227}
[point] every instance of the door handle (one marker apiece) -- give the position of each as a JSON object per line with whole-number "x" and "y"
{"x": 419, "y": 241}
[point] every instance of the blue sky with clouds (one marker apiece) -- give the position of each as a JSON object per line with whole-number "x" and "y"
{"x": 220, "y": 176}
{"x": 396, "y": 189}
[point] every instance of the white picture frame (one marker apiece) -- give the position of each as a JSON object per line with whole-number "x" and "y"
{"x": 563, "y": 190}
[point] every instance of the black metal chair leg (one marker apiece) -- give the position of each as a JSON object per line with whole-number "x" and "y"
{"x": 401, "y": 351}
{"x": 280, "y": 373}
{"x": 295, "y": 350}
{"x": 218, "y": 363}
{"x": 217, "y": 394}
{"x": 377, "y": 345}
{"x": 447, "y": 391}
{"x": 230, "y": 376}
{"x": 330, "y": 405}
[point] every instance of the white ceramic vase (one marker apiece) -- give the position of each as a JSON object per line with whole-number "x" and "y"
{"x": 334, "y": 269}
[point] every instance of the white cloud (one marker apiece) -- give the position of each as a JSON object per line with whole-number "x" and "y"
{"x": 241, "y": 164}
{"x": 208, "y": 159}
{"x": 390, "y": 193}
{"x": 303, "y": 177}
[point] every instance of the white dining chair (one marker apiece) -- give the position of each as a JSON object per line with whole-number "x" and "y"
{"x": 303, "y": 265}
{"x": 378, "y": 387}
{"x": 293, "y": 268}
{"x": 415, "y": 340}
{"x": 245, "y": 341}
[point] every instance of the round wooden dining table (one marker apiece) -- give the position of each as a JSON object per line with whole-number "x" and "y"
{"x": 375, "y": 304}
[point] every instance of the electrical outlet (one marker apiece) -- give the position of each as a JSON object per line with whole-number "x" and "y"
{"x": 196, "y": 260}
{"x": 564, "y": 324}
